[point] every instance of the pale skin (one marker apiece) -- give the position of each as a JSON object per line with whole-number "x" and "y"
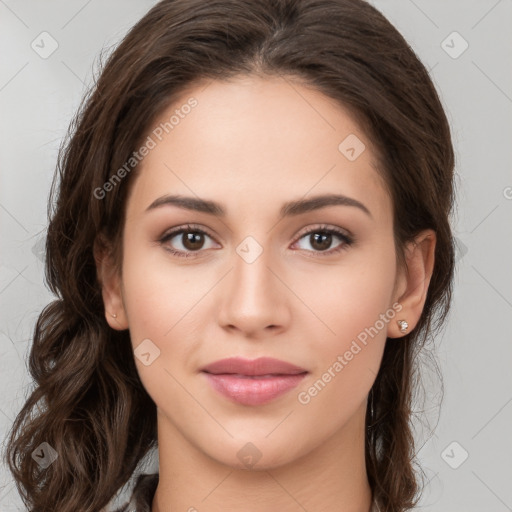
{"x": 251, "y": 145}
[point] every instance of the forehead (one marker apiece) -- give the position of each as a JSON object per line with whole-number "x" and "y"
{"x": 254, "y": 139}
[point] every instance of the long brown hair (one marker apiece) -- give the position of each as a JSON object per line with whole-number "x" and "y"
{"x": 88, "y": 403}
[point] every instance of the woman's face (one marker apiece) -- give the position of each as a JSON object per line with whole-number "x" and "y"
{"x": 259, "y": 275}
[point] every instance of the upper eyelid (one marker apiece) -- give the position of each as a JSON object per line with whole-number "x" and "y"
{"x": 187, "y": 227}
{"x": 324, "y": 227}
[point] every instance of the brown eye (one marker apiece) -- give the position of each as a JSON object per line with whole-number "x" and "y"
{"x": 320, "y": 241}
{"x": 322, "y": 238}
{"x": 185, "y": 241}
{"x": 192, "y": 241}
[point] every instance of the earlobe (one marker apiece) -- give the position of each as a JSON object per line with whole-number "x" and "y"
{"x": 110, "y": 282}
{"x": 414, "y": 282}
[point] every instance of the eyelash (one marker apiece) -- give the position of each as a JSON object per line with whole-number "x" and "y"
{"x": 347, "y": 240}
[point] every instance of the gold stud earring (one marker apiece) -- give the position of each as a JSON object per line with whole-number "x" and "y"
{"x": 403, "y": 325}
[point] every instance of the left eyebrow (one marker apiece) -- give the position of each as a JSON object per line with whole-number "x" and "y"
{"x": 189, "y": 203}
{"x": 317, "y": 202}
{"x": 290, "y": 208}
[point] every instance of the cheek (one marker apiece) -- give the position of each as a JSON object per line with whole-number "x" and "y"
{"x": 157, "y": 312}
{"x": 354, "y": 306}
{"x": 156, "y": 295}
{"x": 162, "y": 304}
{"x": 347, "y": 362}
{"x": 350, "y": 298}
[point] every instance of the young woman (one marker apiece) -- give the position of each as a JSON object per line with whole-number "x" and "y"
{"x": 249, "y": 246}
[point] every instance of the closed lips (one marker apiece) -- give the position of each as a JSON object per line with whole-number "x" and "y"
{"x": 253, "y": 382}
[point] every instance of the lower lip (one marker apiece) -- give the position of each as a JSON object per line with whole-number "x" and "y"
{"x": 248, "y": 390}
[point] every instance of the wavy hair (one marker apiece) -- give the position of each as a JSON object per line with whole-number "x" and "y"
{"x": 88, "y": 402}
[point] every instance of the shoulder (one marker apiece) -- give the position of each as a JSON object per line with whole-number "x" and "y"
{"x": 142, "y": 495}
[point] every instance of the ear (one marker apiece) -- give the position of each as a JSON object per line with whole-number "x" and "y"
{"x": 110, "y": 282}
{"x": 413, "y": 281}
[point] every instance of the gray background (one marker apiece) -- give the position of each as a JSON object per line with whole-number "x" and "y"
{"x": 38, "y": 97}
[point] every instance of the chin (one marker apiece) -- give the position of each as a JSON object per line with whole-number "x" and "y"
{"x": 255, "y": 456}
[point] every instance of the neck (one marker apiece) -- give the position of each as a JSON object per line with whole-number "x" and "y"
{"x": 331, "y": 477}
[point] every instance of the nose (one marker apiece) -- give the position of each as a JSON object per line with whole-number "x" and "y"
{"x": 253, "y": 299}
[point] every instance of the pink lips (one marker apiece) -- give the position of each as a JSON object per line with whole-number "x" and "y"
{"x": 253, "y": 382}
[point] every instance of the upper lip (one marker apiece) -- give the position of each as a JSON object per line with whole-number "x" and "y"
{"x": 260, "y": 366}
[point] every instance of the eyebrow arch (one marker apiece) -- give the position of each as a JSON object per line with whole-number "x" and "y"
{"x": 290, "y": 208}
